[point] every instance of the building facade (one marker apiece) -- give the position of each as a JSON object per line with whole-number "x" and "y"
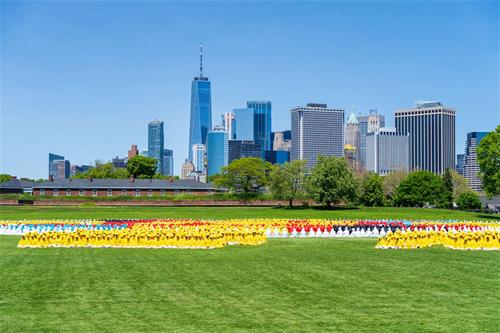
{"x": 460, "y": 164}
{"x": 282, "y": 140}
{"x": 119, "y": 162}
{"x": 387, "y": 151}
{"x": 316, "y": 130}
{"x": 471, "y": 166}
{"x": 431, "y": 127}
{"x": 277, "y": 156}
{"x": 133, "y": 151}
{"x": 187, "y": 170}
{"x": 156, "y": 143}
{"x": 168, "y": 162}
{"x": 199, "y": 153}
{"x": 244, "y": 124}
{"x": 352, "y": 134}
{"x": 217, "y": 151}
{"x": 201, "y": 109}
{"x": 262, "y": 123}
{"x": 229, "y": 123}
{"x": 369, "y": 123}
{"x": 241, "y": 149}
{"x": 58, "y": 166}
{"x": 121, "y": 187}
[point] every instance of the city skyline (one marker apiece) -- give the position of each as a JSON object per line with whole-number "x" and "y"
{"x": 62, "y": 95}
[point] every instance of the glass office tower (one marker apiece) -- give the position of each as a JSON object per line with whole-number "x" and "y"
{"x": 155, "y": 143}
{"x": 244, "y": 124}
{"x": 168, "y": 162}
{"x": 201, "y": 110}
{"x": 217, "y": 151}
{"x": 261, "y": 124}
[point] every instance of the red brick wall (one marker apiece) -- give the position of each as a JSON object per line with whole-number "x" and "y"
{"x": 103, "y": 192}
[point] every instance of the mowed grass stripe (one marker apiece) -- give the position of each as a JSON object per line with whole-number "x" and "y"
{"x": 292, "y": 285}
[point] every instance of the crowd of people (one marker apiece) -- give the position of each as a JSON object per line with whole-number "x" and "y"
{"x": 145, "y": 236}
{"x": 474, "y": 239}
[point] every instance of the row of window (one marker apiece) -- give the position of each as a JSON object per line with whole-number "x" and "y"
{"x": 109, "y": 192}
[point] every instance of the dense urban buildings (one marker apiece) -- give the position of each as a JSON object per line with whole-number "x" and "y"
{"x": 471, "y": 166}
{"x": 244, "y": 124}
{"x": 201, "y": 109}
{"x": 316, "y": 130}
{"x": 387, "y": 151}
{"x": 133, "y": 151}
{"x": 187, "y": 170}
{"x": 119, "y": 162}
{"x": 217, "y": 150}
{"x": 243, "y": 148}
{"x": 262, "y": 123}
{"x": 368, "y": 124}
{"x": 431, "y": 127}
{"x": 156, "y": 143}
{"x": 229, "y": 123}
{"x": 277, "y": 156}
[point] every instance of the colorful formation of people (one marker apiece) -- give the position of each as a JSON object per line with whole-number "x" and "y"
{"x": 477, "y": 239}
{"x": 144, "y": 236}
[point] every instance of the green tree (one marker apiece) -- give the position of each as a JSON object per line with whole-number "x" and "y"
{"x": 142, "y": 166}
{"x": 391, "y": 182}
{"x": 419, "y": 189}
{"x": 460, "y": 185}
{"x": 4, "y": 177}
{"x": 468, "y": 200}
{"x": 287, "y": 181}
{"x": 331, "y": 181}
{"x": 447, "y": 194}
{"x": 488, "y": 157}
{"x": 246, "y": 176}
{"x": 373, "y": 190}
{"x": 103, "y": 170}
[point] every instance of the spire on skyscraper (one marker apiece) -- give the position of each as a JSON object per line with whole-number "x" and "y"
{"x": 201, "y": 59}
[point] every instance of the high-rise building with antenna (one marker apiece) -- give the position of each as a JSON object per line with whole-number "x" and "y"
{"x": 201, "y": 109}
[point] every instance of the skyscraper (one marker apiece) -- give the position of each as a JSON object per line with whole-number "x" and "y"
{"x": 187, "y": 170}
{"x": 262, "y": 124}
{"x": 58, "y": 167}
{"x": 155, "y": 143}
{"x": 282, "y": 141}
{"x": 316, "y": 130}
{"x": 471, "y": 166}
{"x": 353, "y": 134}
{"x": 229, "y": 124}
{"x": 367, "y": 124}
{"x": 199, "y": 152}
{"x": 217, "y": 150}
{"x": 432, "y": 135}
{"x": 201, "y": 109}
{"x": 460, "y": 164}
{"x": 244, "y": 124}
{"x": 241, "y": 149}
{"x": 387, "y": 151}
{"x": 168, "y": 162}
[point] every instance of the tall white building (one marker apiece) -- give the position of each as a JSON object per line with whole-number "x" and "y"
{"x": 432, "y": 135}
{"x": 316, "y": 130}
{"x": 387, "y": 151}
{"x": 471, "y": 166}
{"x": 368, "y": 123}
{"x": 228, "y": 121}
{"x": 199, "y": 153}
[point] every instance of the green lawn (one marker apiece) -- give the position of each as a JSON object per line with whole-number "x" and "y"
{"x": 293, "y": 285}
{"x": 75, "y": 212}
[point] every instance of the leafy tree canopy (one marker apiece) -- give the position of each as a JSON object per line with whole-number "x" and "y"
{"x": 142, "y": 166}
{"x": 246, "y": 176}
{"x": 419, "y": 189}
{"x": 331, "y": 181}
{"x": 488, "y": 157}
{"x": 468, "y": 200}
{"x": 288, "y": 181}
{"x": 392, "y": 180}
{"x": 103, "y": 170}
{"x": 460, "y": 185}
{"x": 447, "y": 195}
{"x": 373, "y": 190}
{"x": 4, "y": 177}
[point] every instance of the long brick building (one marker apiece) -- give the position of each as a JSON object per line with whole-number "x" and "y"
{"x": 116, "y": 187}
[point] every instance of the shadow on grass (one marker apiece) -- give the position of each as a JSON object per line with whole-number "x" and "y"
{"x": 489, "y": 217}
{"x": 321, "y": 208}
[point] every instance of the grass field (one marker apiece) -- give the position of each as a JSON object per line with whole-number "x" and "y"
{"x": 289, "y": 285}
{"x": 87, "y": 212}
{"x": 293, "y": 285}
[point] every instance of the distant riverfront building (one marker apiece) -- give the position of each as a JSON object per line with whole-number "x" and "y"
{"x": 156, "y": 143}
{"x": 367, "y": 124}
{"x": 353, "y": 134}
{"x": 471, "y": 166}
{"x": 387, "y": 151}
{"x": 217, "y": 151}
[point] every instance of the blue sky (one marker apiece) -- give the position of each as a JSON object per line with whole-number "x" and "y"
{"x": 84, "y": 79}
